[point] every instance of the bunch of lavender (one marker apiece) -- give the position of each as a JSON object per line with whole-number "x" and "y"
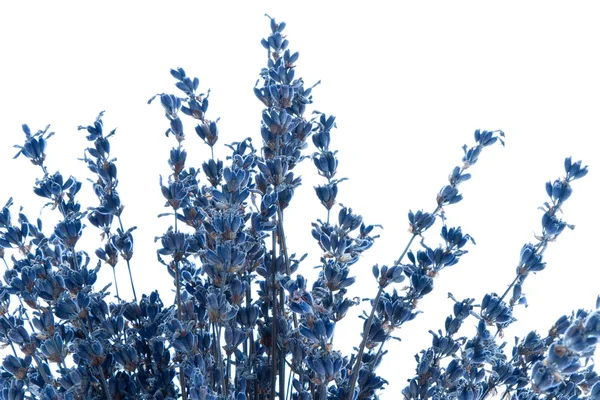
{"x": 245, "y": 324}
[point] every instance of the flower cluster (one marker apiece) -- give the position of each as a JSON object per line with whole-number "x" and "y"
{"x": 245, "y": 323}
{"x": 477, "y": 367}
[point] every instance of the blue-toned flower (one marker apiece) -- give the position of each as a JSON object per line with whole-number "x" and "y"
{"x": 69, "y": 231}
{"x": 327, "y": 194}
{"x": 16, "y": 366}
{"x": 494, "y": 310}
{"x": 574, "y": 170}
{"x": 123, "y": 241}
{"x": 559, "y": 190}
{"x": 208, "y": 131}
{"x": 35, "y": 145}
{"x": 420, "y": 221}
{"x": 448, "y": 195}
{"x": 54, "y": 349}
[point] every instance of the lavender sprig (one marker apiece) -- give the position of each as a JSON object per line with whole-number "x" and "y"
{"x": 105, "y": 188}
{"x": 465, "y": 375}
{"x": 430, "y": 261}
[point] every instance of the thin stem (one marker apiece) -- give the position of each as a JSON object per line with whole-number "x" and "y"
{"x": 12, "y": 346}
{"x": 215, "y": 349}
{"x": 181, "y": 373}
{"x": 178, "y": 289}
{"x": 363, "y": 343}
{"x": 228, "y": 374}
{"x": 127, "y": 261}
{"x": 282, "y": 372}
{"x": 74, "y": 256}
{"x": 274, "y": 318}
{"x": 220, "y": 359}
{"x": 250, "y": 345}
{"x": 23, "y": 311}
{"x": 323, "y": 391}
{"x": 131, "y": 281}
{"x": 399, "y": 260}
{"x": 178, "y": 295}
{"x": 513, "y": 283}
{"x": 509, "y": 287}
{"x": 283, "y": 246}
{"x": 220, "y": 355}
{"x": 378, "y": 354}
{"x": 116, "y": 284}
{"x": 289, "y": 388}
{"x": 104, "y": 385}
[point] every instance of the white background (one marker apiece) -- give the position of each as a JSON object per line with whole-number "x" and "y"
{"x": 408, "y": 82}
